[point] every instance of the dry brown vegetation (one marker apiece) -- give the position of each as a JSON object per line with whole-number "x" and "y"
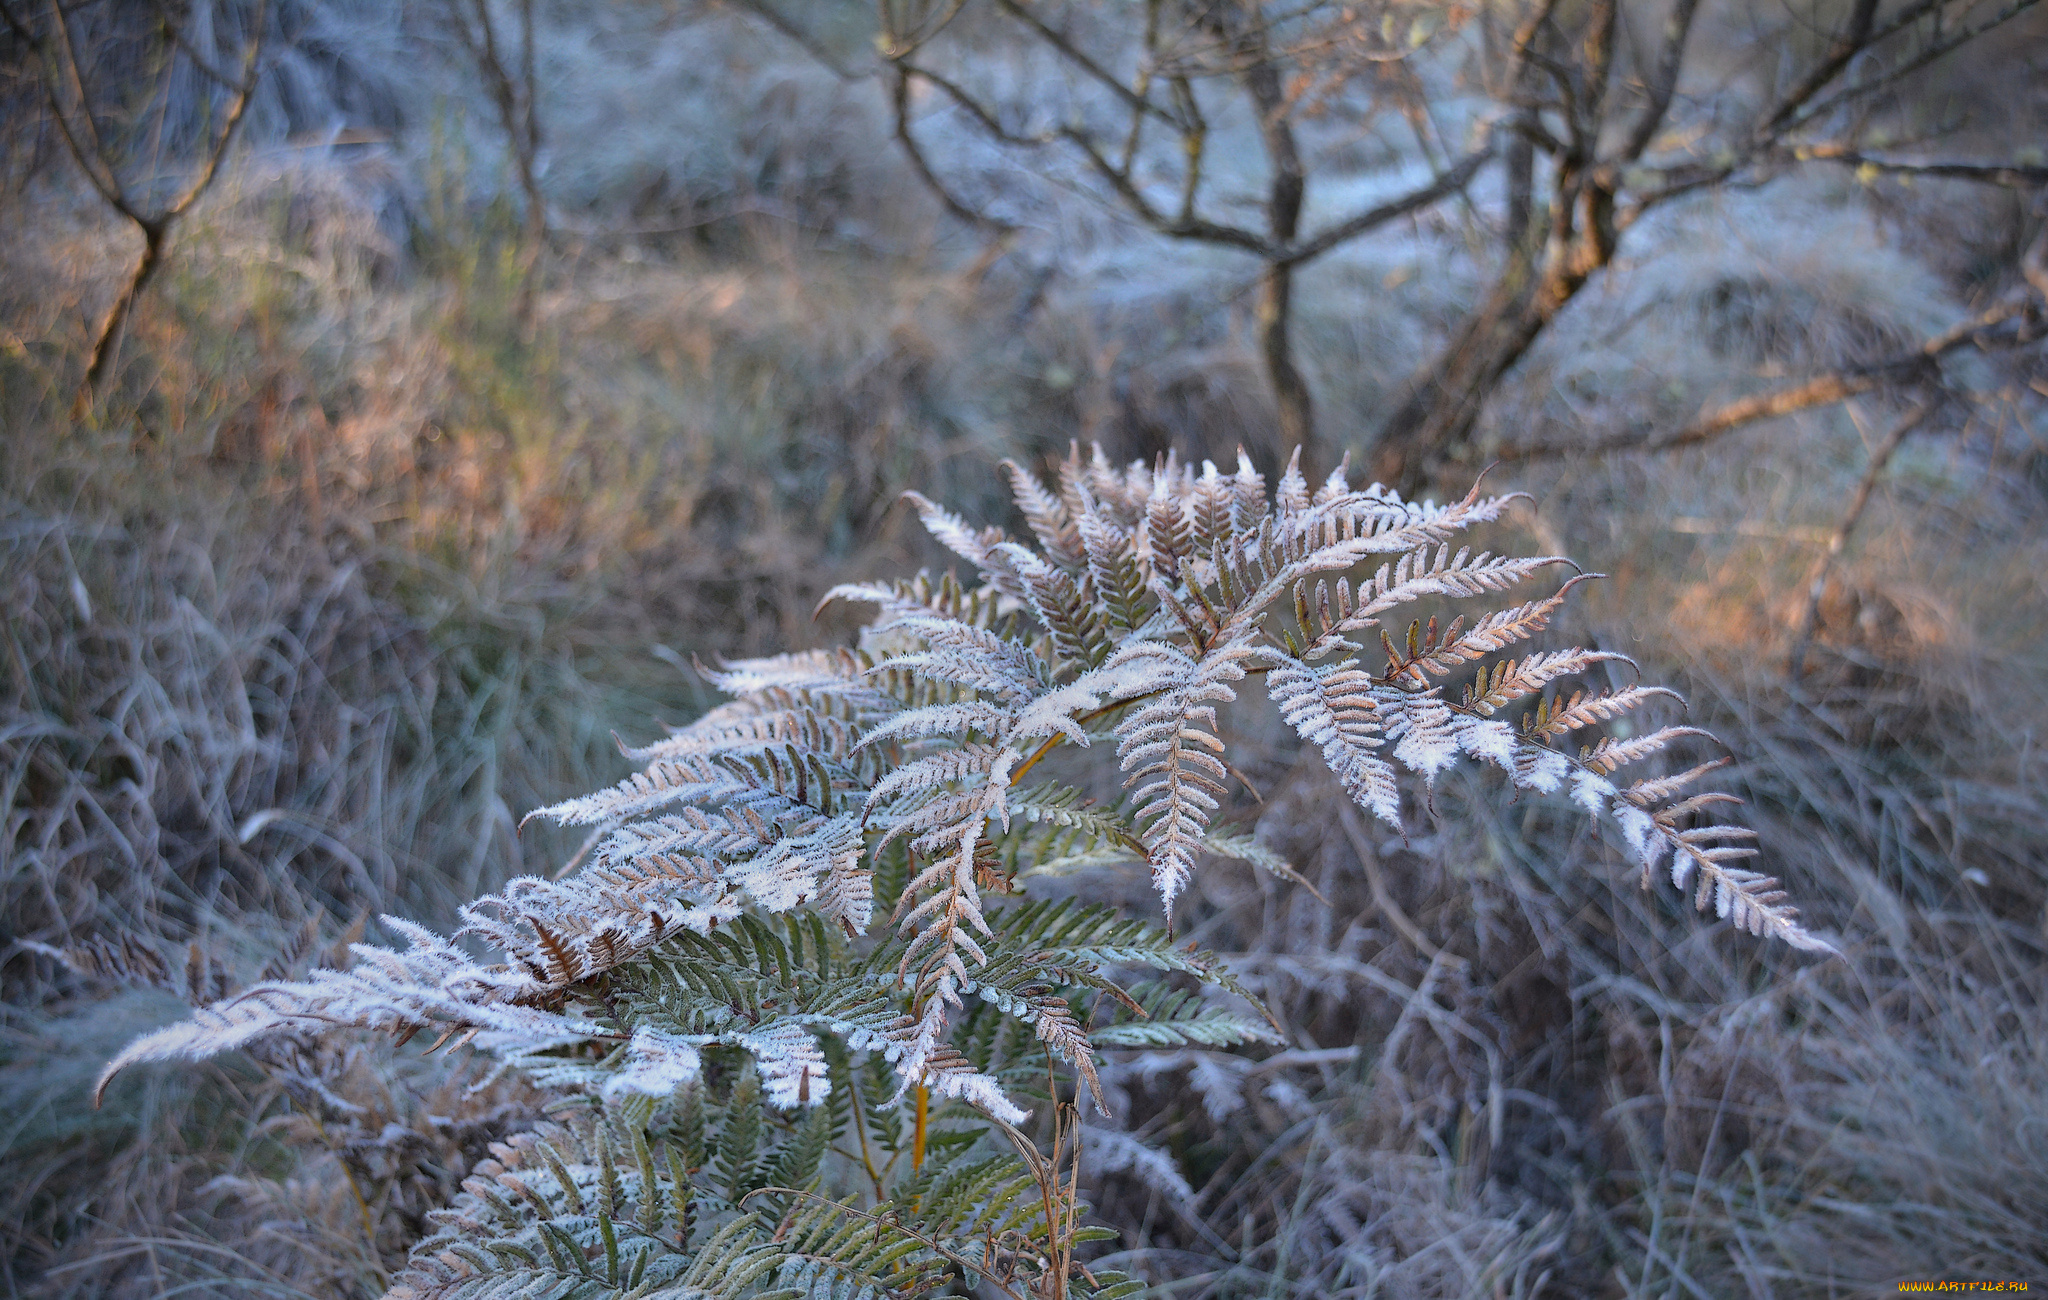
{"x": 352, "y": 567}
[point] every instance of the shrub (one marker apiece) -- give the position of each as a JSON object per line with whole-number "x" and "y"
{"x": 758, "y": 1094}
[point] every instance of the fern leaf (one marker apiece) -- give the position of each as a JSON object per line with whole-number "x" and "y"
{"x": 968, "y": 656}
{"x": 1062, "y": 608}
{"x": 1654, "y": 790}
{"x": 664, "y": 782}
{"x": 1585, "y": 709}
{"x": 803, "y": 670}
{"x": 1115, "y": 576}
{"x": 432, "y": 984}
{"x": 1246, "y": 849}
{"x": 1333, "y": 708}
{"x": 1292, "y": 496}
{"x": 1170, "y": 756}
{"x": 1047, "y": 515}
{"x": 1509, "y": 680}
{"x": 1609, "y": 754}
{"x": 953, "y": 533}
{"x": 941, "y": 720}
{"x": 1491, "y": 633}
{"x": 1168, "y": 537}
{"x": 1426, "y": 735}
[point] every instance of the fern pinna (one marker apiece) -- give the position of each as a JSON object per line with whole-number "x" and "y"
{"x": 719, "y": 951}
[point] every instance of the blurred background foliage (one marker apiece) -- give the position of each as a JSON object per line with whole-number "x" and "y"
{"x": 516, "y": 353}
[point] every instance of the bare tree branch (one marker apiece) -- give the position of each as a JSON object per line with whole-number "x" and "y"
{"x": 1817, "y": 580}
{"x": 1935, "y": 50}
{"x": 78, "y": 126}
{"x": 1663, "y": 81}
{"x": 900, "y": 101}
{"x": 90, "y": 154}
{"x": 2015, "y": 176}
{"x": 1285, "y": 189}
{"x": 192, "y": 53}
{"x": 1183, "y": 226}
{"x": 1594, "y": 199}
{"x": 2017, "y": 322}
{"x": 802, "y": 39}
{"x": 1451, "y": 182}
{"x": 237, "y": 108}
{"x": 1079, "y": 58}
{"x": 1851, "y": 41}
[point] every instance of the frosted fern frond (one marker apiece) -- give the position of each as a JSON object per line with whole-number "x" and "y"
{"x": 1047, "y": 515}
{"x": 1333, "y": 708}
{"x": 719, "y": 936}
{"x": 606, "y": 1207}
{"x": 665, "y": 781}
{"x": 431, "y": 985}
{"x": 1169, "y": 748}
{"x": 1167, "y": 1017}
{"x": 817, "y": 670}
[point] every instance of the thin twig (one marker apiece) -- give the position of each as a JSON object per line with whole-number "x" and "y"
{"x": 1367, "y": 859}
{"x": 1823, "y": 390}
{"x": 2017, "y": 176}
{"x": 1816, "y": 582}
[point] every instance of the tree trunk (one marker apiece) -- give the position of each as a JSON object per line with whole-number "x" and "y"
{"x": 1290, "y": 391}
{"x": 1285, "y": 193}
{"x": 108, "y": 341}
{"x": 1439, "y": 407}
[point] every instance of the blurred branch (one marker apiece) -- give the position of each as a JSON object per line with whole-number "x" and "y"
{"x": 1261, "y": 74}
{"x": 1816, "y": 583}
{"x": 514, "y": 97}
{"x": 2016, "y": 323}
{"x": 199, "y": 60}
{"x": 900, "y": 101}
{"x": 1286, "y": 188}
{"x": 1797, "y": 108}
{"x": 1851, "y": 41}
{"x": 1664, "y": 82}
{"x": 1074, "y": 55}
{"x": 78, "y": 126}
{"x": 1595, "y": 197}
{"x": 2010, "y": 175}
{"x": 1450, "y": 183}
{"x": 1183, "y": 226}
{"x": 802, "y": 39}
{"x": 1935, "y": 49}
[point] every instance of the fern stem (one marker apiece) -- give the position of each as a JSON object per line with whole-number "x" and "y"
{"x": 860, "y": 1127}
{"x": 1036, "y": 754}
{"x": 923, "y": 1095}
{"x": 1059, "y": 1244}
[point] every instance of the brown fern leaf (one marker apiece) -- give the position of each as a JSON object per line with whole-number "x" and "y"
{"x": 1116, "y": 578}
{"x": 1065, "y": 608}
{"x": 1047, "y": 515}
{"x": 1066, "y": 1038}
{"x": 1608, "y": 753}
{"x": 1508, "y": 680}
{"x": 1169, "y": 537}
{"x": 1490, "y": 634}
{"x": 1587, "y": 708}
